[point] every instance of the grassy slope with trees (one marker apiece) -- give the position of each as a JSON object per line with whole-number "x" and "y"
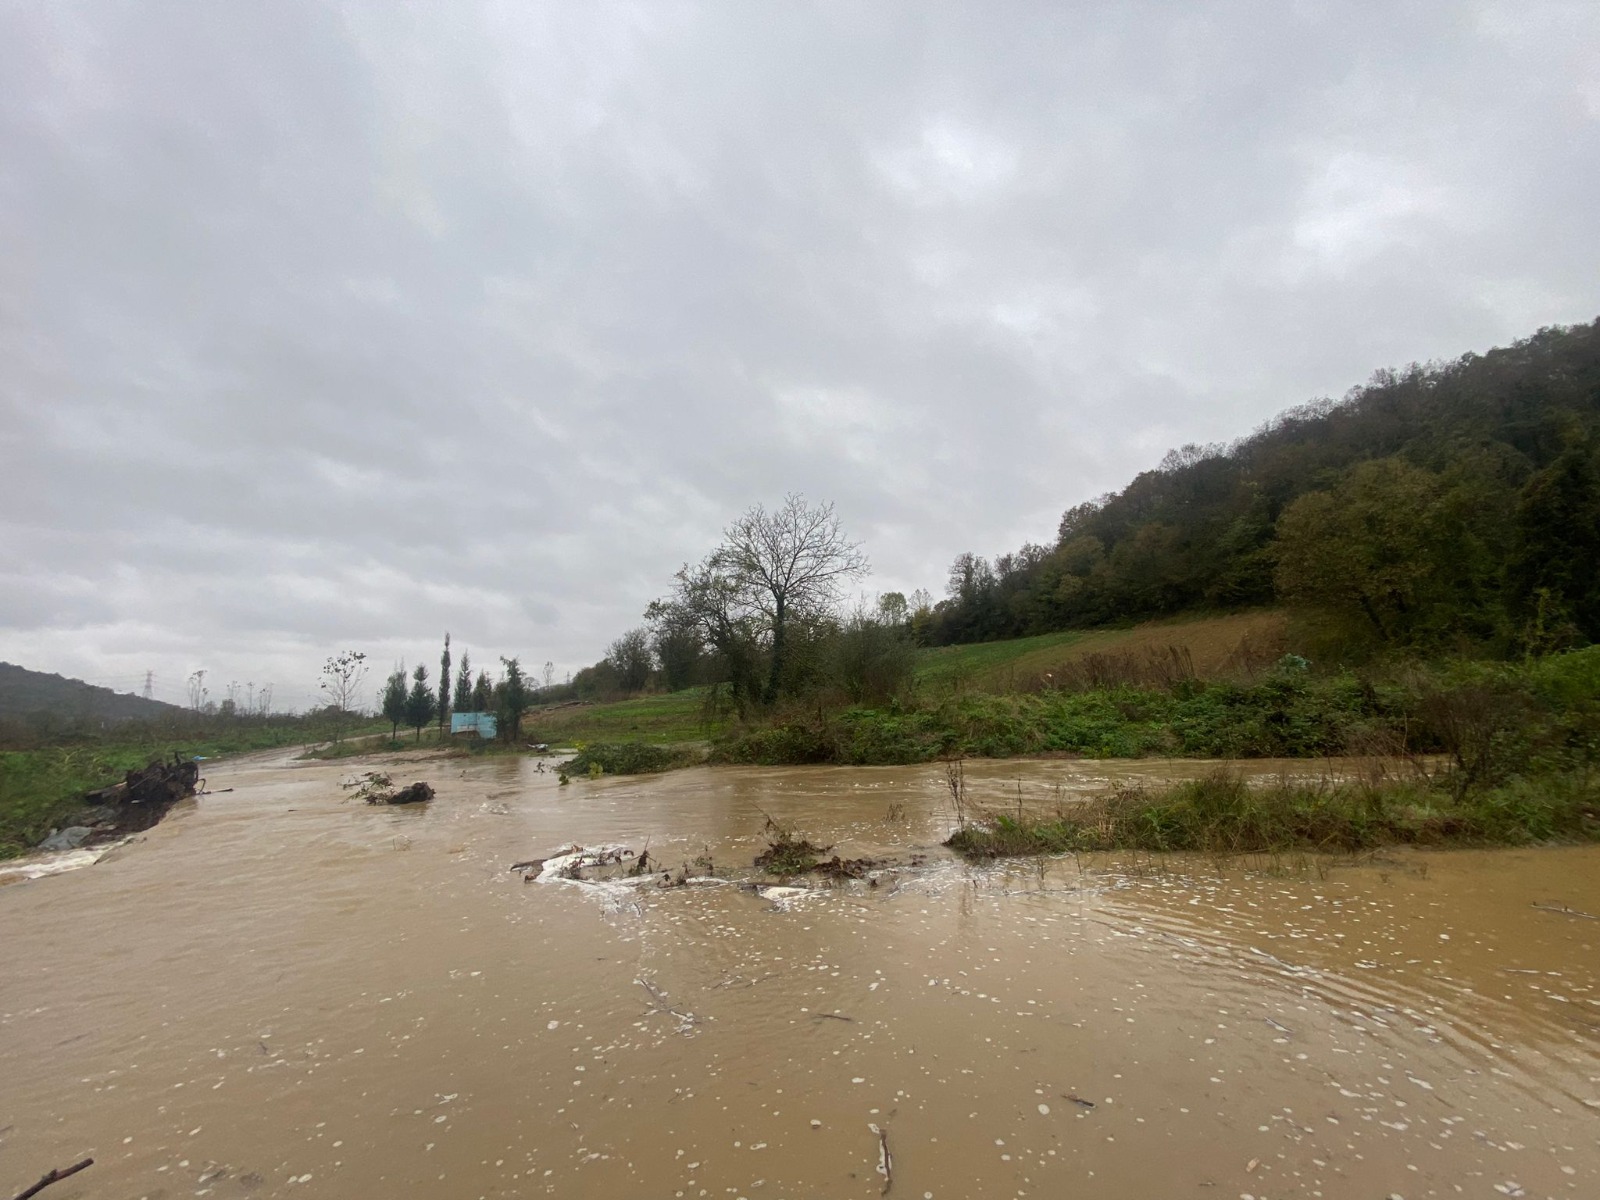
{"x": 1449, "y": 510}
{"x": 1446, "y": 509}
{"x": 1434, "y": 538}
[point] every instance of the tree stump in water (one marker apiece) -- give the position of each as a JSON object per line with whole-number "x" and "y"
{"x": 144, "y": 796}
{"x": 415, "y": 794}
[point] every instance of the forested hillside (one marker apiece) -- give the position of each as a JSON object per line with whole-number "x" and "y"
{"x": 25, "y": 693}
{"x": 1450, "y": 506}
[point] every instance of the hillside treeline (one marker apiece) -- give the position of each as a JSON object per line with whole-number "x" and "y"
{"x": 1449, "y": 507}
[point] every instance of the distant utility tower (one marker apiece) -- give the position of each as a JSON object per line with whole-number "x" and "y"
{"x": 149, "y": 684}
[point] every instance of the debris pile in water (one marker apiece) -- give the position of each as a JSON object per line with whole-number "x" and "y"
{"x": 417, "y": 793}
{"x": 612, "y": 864}
{"x": 377, "y": 788}
{"x": 787, "y": 856}
{"x": 584, "y": 864}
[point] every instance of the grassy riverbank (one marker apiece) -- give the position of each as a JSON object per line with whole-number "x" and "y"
{"x": 1488, "y": 716}
{"x": 1280, "y": 718}
{"x": 42, "y": 788}
{"x": 1222, "y": 813}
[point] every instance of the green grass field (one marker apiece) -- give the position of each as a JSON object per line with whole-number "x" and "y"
{"x": 1213, "y": 644}
{"x": 987, "y": 665}
{"x": 673, "y": 718}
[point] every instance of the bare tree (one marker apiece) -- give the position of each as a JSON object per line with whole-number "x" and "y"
{"x": 342, "y": 678}
{"x": 790, "y": 563}
{"x": 197, "y": 690}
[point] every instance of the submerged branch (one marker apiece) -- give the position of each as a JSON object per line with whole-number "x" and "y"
{"x": 1565, "y": 911}
{"x": 885, "y": 1159}
{"x": 54, "y": 1177}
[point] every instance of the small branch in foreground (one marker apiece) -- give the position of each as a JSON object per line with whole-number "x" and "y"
{"x": 54, "y": 1177}
{"x": 686, "y": 1020}
{"x": 1565, "y": 911}
{"x": 885, "y": 1159}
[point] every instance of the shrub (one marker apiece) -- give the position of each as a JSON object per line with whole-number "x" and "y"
{"x": 626, "y": 758}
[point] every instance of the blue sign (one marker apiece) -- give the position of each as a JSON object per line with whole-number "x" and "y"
{"x": 482, "y": 724}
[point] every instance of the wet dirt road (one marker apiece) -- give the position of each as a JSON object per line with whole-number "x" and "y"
{"x": 279, "y": 993}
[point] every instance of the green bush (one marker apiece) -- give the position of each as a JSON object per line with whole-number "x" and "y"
{"x": 627, "y": 758}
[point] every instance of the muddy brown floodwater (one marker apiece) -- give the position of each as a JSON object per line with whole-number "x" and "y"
{"x": 279, "y": 993}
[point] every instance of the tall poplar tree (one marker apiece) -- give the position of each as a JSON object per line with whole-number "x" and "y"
{"x": 444, "y": 683}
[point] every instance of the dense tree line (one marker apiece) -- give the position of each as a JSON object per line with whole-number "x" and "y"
{"x": 1449, "y": 506}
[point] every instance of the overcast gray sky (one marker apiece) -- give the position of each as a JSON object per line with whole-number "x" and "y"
{"x": 332, "y": 325}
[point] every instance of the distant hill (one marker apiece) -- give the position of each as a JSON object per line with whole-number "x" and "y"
{"x": 24, "y": 693}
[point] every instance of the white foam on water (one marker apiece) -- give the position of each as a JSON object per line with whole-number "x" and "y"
{"x": 56, "y": 862}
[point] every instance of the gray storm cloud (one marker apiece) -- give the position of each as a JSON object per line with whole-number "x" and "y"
{"x": 329, "y": 325}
